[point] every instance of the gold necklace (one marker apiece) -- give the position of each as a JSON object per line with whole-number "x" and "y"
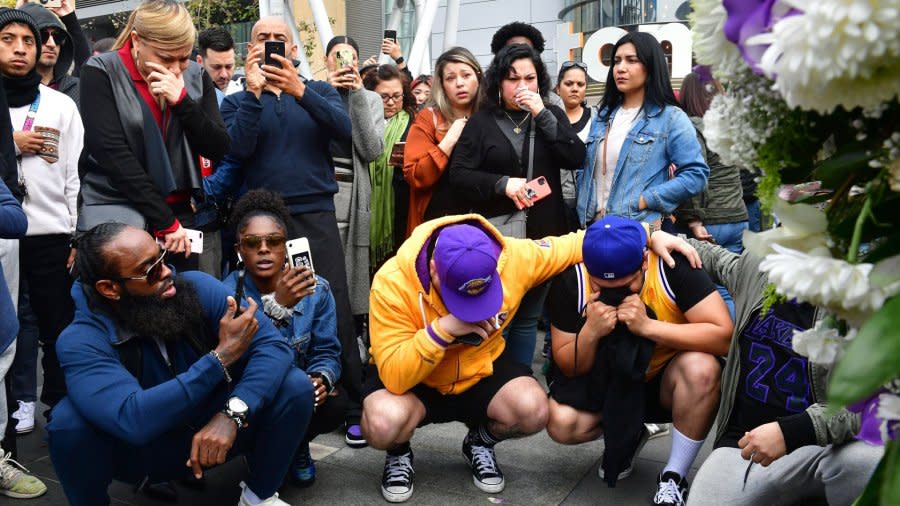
{"x": 517, "y": 129}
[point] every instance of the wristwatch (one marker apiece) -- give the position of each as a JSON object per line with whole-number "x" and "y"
{"x": 237, "y": 410}
{"x": 398, "y": 60}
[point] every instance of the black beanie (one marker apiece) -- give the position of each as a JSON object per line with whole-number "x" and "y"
{"x": 8, "y": 16}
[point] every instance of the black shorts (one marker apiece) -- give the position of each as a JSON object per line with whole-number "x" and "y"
{"x": 574, "y": 392}
{"x": 469, "y": 407}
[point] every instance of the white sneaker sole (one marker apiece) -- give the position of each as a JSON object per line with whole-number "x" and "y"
{"x": 16, "y": 495}
{"x": 24, "y": 430}
{"x": 394, "y": 497}
{"x": 489, "y": 489}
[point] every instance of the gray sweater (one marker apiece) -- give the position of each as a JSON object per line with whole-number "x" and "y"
{"x": 352, "y": 200}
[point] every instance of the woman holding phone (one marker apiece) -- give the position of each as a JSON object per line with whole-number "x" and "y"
{"x": 301, "y": 306}
{"x": 639, "y": 133}
{"x": 438, "y": 126}
{"x": 513, "y": 134}
{"x": 390, "y": 194}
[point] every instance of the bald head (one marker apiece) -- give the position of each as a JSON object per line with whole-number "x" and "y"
{"x": 271, "y": 28}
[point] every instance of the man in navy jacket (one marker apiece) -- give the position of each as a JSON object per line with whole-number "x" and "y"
{"x": 164, "y": 379}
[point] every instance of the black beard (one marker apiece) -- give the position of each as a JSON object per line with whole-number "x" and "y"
{"x": 169, "y": 319}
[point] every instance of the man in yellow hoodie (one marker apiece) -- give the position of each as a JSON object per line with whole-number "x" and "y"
{"x": 437, "y": 314}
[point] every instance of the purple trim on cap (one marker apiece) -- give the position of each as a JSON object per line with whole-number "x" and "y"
{"x": 436, "y": 338}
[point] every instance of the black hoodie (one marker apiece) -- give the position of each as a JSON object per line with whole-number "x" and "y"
{"x": 74, "y": 50}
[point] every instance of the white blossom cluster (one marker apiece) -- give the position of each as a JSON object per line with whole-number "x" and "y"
{"x": 709, "y": 43}
{"x": 835, "y": 53}
{"x": 822, "y": 343}
{"x": 843, "y": 288}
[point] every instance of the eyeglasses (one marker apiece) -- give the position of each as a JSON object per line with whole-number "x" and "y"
{"x": 396, "y": 97}
{"x": 570, "y": 63}
{"x": 255, "y": 241}
{"x": 153, "y": 274}
{"x": 57, "y": 36}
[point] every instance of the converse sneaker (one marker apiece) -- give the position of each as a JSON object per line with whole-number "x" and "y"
{"x": 397, "y": 480}
{"x": 271, "y": 501}
{"x": 354, "y": 437}
{"x": 628, "y": 470}
{"x": 25, "y": 417}
{"x": 671, "y": 490}
{"x": 14, "y": 480}
{"x": 303, "y": 469}
{"x": 486, "y": 473}
{"x": 657, "y": 429}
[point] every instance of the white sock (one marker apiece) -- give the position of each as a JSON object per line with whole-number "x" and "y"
{"x": 250, "y": 497}
{"x": 684, "y": 451}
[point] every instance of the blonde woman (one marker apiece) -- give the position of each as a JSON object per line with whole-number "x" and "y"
{"x": 149, "y": 114}
{"x": 454, "y": 98}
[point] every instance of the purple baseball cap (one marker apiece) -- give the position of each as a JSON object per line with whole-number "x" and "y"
{"x": 613, "y": 247}
{"x": 466, "y": 262}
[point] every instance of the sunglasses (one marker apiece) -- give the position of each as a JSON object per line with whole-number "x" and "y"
{"x": 153, "y": 274}
{"x": 255, "y": 241}
{"x": 570, "y": 63}
{"x": 57, "y": 37}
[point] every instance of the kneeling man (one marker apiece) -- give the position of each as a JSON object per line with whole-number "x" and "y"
{"x": 635, "y": 340}
{"x": 164, "y": 379}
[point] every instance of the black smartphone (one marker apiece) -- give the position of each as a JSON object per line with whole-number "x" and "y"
{"x": 239, "y": 293}
{"x": 472, "y": 339}
{"x": 274, "y": 47}
{"x": 391, "y": 34}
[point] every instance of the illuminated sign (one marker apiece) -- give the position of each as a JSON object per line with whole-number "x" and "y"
{"x": 676, "y": 35}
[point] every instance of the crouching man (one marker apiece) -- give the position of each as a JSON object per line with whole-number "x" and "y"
{"x": 437, "y": 314}
{"x": 165, "y": 379}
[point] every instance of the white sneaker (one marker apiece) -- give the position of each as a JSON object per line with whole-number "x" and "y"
{"x": 657, "y": 429}
{"x": 272, "y": 501}
{"x": 16, "y": 482}
{"x": 25, "y": 417}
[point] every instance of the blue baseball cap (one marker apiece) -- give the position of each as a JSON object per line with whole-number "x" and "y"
{"x": 466, "y": 262}
{"x": 613, "y": 247}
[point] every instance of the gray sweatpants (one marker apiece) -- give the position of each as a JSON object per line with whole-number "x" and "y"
{"x": 837, "y": 473}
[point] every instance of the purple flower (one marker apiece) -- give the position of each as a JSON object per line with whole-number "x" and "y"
{"x": 873, "y": 429}
{"x": 747, "y": 18}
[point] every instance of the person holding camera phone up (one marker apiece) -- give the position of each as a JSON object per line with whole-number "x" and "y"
{"x": 300, "y": 305}
{"x": 513, "y": 135}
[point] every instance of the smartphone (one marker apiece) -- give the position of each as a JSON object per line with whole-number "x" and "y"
{"x": 50, "y": 4}
{"x": 274, "y": 47}
{"x": 391, "y": 34}
{"x": 196, "y": 238}
{"x": 299, "y": 254}
{"x": 537, "y": 189}
{"x": 396, "y": 158}
{"x": 472, "y": 339}
{"x": 239, "y": 291}
{"x": 344, "y": 58}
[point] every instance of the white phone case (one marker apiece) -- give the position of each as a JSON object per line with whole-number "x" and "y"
{"x": 196, "y": 238}
{"x": 299, "y": 253}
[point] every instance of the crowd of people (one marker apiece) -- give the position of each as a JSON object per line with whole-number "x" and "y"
{"x": 387, "y": 247}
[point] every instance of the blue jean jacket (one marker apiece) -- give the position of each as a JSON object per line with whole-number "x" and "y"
{"x": 658, "y": 138}
{"x": 312, "y": 333}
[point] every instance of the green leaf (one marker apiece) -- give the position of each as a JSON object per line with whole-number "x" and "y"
{"x": 871, "y": 359}
{"x": 835, "y": 170}
{"x": 890, "y": 487}
{"x": 872, "y": 491}
{"x": 885, "y": 272}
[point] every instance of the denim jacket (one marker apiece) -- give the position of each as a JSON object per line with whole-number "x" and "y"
{"x": 658, "y": 138}
{"x": 312, "y": 333}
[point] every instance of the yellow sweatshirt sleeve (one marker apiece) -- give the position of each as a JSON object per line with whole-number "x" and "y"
{"x": 547, "y": 257}
{"x": 402, "y": 349}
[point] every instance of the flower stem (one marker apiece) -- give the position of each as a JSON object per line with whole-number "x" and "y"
{"x": 853, "y": 253}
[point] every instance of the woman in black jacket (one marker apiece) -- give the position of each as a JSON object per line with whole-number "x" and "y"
{"x": 489, "y": 167}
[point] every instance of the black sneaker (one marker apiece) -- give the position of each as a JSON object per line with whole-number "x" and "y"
{"x": 671, "y": 490}
{"x": 486, "y": 473}
{"x": 397, "y": 480}
{"x": 354, "y": 436}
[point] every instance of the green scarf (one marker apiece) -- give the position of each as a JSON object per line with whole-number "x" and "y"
{"x": 381, "y": 173}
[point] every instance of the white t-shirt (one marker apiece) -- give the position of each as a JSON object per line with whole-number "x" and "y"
{"x": 619, "y": 129}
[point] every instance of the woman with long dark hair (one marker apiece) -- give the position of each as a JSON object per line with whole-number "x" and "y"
{"x": 514, "y": 134}
{"x": 638, "y": 135}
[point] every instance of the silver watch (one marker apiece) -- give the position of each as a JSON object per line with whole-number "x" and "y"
{"x": 236, "y": 409}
